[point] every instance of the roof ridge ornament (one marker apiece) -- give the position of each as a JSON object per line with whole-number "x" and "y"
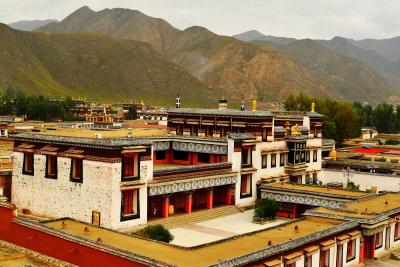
{"x": 313, "y": 106}
{"x": 295, "y": 130}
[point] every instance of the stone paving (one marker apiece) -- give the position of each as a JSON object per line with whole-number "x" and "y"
{"x": 217, "y": 229}
{"x": 380, "y": 263}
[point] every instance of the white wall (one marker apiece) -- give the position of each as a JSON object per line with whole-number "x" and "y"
{"x": 356, "y": 259}
{"x": 365, "y": 180}
{"x": 99, "y": 191}
{"x": 60, "y": 197}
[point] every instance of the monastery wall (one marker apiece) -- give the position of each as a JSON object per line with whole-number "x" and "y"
{"x": 365, "y": 180}
{"x": 62, "y": 198}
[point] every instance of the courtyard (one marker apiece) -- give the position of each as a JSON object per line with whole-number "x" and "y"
{"x": 218, "y": 229}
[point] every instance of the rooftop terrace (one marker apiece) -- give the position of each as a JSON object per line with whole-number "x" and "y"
{"x": 367, "y": 208}
{"x": 205, "y": 255}
{"x": 12, "y": 255}
{"x": 312, "y": 189}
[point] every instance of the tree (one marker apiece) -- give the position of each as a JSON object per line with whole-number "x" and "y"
{"x": 158, "y": 232}
{"x": 266, "y": 208}
{"x": 132, "y": 113}
{"x": 346, "y": 122}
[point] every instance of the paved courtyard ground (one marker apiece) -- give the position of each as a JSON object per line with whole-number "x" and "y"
{"x": 217, "y": 229}
{"x": 379, "y": 263}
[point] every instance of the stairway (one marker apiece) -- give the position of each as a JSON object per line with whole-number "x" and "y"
{"x": 180, "y": 220}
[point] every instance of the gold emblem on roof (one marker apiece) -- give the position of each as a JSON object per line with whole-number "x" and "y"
{"x": 295, "y": 130}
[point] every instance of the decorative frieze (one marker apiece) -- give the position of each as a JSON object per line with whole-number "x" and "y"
{"x": 192, "y": 184}
{"x": 200, "y": 148}
{"x": 307, "y": 200}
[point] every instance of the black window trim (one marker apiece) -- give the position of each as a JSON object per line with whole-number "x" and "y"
{"x": 75, "y": 180}
{"x": 32, "y": 173}
{"x": 133, "y": 216}
{"x": 51, "y": 176}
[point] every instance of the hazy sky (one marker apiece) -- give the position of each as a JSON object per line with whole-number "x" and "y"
{"x": 295, "y": 18}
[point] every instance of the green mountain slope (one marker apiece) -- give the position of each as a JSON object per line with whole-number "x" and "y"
{"x": 339, "y": 71}
{"x": 233, "y": 68}
{"x": 95, "y": 66}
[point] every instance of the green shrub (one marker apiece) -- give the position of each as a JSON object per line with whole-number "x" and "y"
{"x": 392, "y": 142}
{"x": 159, "y": 233}
{"x": 266, "y": 208}
{"x": 352, "y": 186}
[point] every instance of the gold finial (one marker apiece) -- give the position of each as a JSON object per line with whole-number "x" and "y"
{"x": 295, "y": 130}
{"x": 254, "y": 105}
{"x": 313, "y": 106}
{"x": 142, "y": 103}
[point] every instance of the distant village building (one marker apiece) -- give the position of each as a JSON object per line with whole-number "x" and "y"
{"x": 368, "y": 133}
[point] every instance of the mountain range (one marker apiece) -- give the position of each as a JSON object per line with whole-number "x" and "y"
{"x": 30, "y": 25}
{"x": 383, "y": 56}
{"x": 93, "y": 65}
{"x": 256, "y": 66}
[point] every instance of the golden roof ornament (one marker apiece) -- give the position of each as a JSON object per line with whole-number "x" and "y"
{"x": 313, "y": 106}
{"x": 254, "y": 105}
{"x": 295, "y": 130}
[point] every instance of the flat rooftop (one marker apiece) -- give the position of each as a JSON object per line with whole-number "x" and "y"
{"x": 12, "y": 255}
{"x": 220, "y": 112}
{"x": 106, "y": 133}
{"x": 316, "y": 189}
{"x": 200, "y": 256}
{"x": 366, "y": 208}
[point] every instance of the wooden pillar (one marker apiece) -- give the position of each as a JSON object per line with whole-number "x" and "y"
{"x": 188, "y": 203}
{"x": 294, "y": 211}
{"x": 210, "y": 196}
{"x": 228, "y": 197}
{"x": 372, "y": 244}
{"x": 165, "y": 207}
{"x": 362, "y": 250}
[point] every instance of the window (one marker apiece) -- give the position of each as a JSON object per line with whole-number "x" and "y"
{"x": 209, "y": 131}
{"x": 308, "y": 179}
{"x": 308, "y": 261}
{"x": 28, "y": 164}
{"x": 397, "y": 231}
{"x": 203, "y": 157}
{"x": 282, "y": 159}
{"x": 293, "y": 264}
{"x": 324, "y": 258}
{"x": 179, "y": 129}
{"x": 273, "y": 160}
{"x": 180, "y": 155}
{"x": 308, "y": 156}
{"x": 315, "y": 178}
{"x": 246, "y": 156}
{"x": 51, "y": 167}
{"x": 351, "y": 250}
{"x": 264, "y": 160}
{"x": 161, "y": 155}
{"x": 245, "y": 186}
{"x": 130, "y": 204}
{"x": 264, "y": 134}
{"x": 194, "y": 130}
{"x": 315, "y": 155}
{"x": 130, "y": 165}
{"x": 76, "y": 170}
{"x": 222, "y": 132}
{"x": 378, "y": 240}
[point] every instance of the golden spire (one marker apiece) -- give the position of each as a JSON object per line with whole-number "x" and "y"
{"x": 313, "y": 106}
{"x": 254, "y": 105}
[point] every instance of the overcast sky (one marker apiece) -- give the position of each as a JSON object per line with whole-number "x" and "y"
{"x": 293, "y": 18}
